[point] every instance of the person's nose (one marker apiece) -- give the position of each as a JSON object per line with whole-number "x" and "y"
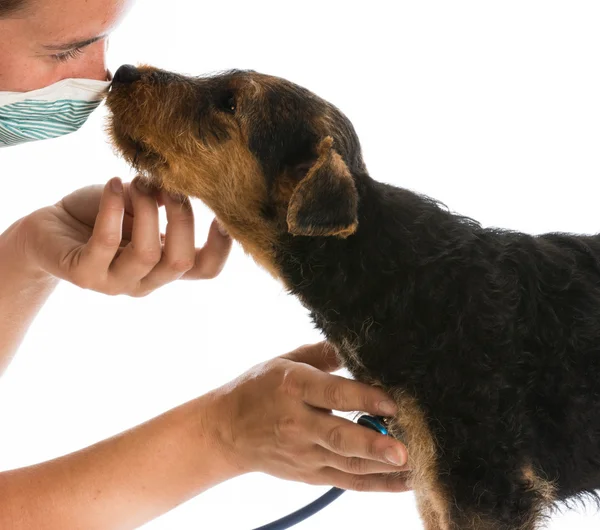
{"x": 93, "y": 65}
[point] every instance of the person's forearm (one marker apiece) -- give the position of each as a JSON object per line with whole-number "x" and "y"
{"x": 122, "y": 482}
{"x": 23, "y": 292}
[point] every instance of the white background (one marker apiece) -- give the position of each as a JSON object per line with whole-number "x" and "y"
{"x": 491, "y": 107}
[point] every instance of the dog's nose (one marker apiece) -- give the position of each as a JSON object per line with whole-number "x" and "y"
{"x": 127, "y": 74}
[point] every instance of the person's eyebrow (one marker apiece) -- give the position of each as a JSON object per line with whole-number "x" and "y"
{"x": 72, "y": 45}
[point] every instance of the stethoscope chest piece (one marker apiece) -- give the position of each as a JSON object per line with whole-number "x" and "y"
{"x": 375, "y": 423}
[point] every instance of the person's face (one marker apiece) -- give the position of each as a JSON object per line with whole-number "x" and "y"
{"x": 51, "y": 40}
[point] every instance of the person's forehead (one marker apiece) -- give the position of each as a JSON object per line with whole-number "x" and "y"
{"x": 51, "y": 22}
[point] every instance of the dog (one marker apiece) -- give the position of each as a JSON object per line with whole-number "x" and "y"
{"x": 488, "y": 340}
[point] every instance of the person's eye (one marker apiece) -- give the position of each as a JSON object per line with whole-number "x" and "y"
{"x": 68, "y": 55}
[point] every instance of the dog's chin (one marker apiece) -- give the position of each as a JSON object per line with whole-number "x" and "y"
{"x": 137, "y": 154}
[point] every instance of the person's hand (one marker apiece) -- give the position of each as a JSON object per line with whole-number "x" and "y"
{"x": 107, "y": 239}
{"x": 276, "y": 418}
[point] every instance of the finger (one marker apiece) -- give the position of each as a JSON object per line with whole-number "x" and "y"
{"x": 346, "y": 439}
{"x": 179, "y": 250}
{"x": 127, "y": 192}
{"x": 128, "y": 217}
{"x": 211, "y": 258}
{"x": 101, "y": 248}
{"x": 332, "y": 392}
{"x": 322, "y": 355}
{"x": 144, "y": 250}
{"x": 355, "y": 465}
{"x": 383, "y": 483}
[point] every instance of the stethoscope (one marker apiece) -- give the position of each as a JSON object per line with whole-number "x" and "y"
{"x": 372, "y": 422}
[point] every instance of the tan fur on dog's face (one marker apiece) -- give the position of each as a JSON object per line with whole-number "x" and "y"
{"x": 268, "y": 157}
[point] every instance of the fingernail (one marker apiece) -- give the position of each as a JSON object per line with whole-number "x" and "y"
{"x": 221, "y": 229}
{"x": 116, "y": 185}
{"x": 387, "y": 408}
{"x": 141, "y": 185}
{"x": 394, "y": 457}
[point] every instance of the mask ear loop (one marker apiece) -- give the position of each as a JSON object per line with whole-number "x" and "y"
{"x": 376, "y": 423}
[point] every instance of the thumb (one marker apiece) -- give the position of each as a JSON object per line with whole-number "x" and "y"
{"x": 321, "y": 355}
{"x": 83, "y": 204}
{"x": 211, "y": 258}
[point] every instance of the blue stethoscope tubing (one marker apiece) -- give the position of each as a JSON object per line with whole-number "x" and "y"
{"x": 304, "y": 513}
{"x": 327, "y": 498}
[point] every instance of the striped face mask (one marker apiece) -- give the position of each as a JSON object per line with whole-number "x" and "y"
{"x": 49, "y": 112}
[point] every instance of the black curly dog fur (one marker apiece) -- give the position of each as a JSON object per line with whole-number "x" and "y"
{"x": 488, "y": 339}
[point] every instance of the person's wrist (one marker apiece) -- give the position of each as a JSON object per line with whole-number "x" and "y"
{"x": 15, "y": 245}
{"x": 214, "y": 416}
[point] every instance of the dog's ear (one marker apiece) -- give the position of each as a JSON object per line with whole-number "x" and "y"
{"x": 325, "y": 202}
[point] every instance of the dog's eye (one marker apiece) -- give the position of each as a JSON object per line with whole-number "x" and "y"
{"x": 228, "y": 103}
{"x": 231, "y": 104}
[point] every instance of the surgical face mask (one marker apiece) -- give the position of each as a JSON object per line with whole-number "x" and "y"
{"x": 49, "y": 112}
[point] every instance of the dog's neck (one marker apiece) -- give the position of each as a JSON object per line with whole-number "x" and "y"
{"x": 398, "y": 233}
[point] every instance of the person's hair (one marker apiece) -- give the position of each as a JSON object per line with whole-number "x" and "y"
{"x": 8, "y": 7}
